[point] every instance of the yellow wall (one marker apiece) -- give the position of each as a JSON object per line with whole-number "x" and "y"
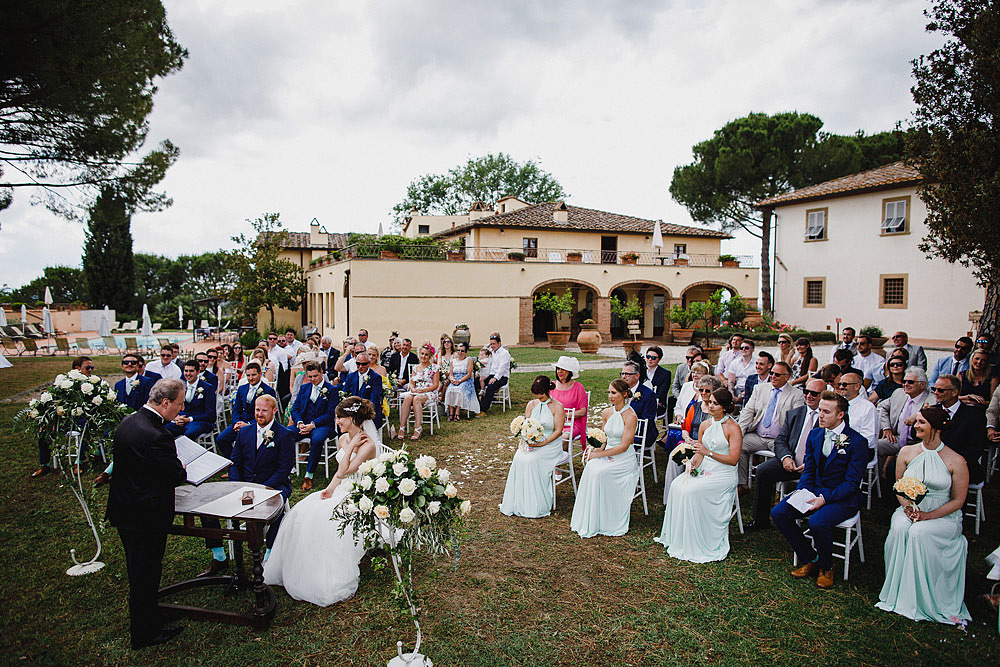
{"x": 491, "y": 237}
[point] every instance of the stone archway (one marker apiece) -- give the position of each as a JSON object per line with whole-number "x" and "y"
{"x": 587, "y": 304}
{"x": 655, "y": 298}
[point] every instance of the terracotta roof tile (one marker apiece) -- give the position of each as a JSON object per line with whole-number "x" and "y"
{"x": 298, "y": 240}
{"x": 896, "y": 173}
{"x": 539, "y": 216}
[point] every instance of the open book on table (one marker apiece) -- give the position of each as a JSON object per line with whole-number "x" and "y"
{"x": 200, "y": 463}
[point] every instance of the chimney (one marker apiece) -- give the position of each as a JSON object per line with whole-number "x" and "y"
{"x": 478, "y": 210}
{"x": 561, "y": 213}
{"x": 317, "y": 237}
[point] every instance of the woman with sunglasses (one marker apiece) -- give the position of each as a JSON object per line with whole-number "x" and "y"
{"x": 238, "y": 359}
{"x": 978, "y": 383}
{"x": 895, "y": 367}
{"x": 696, "y": 413}
{"x": 446, "y": 351}
{"x": 786, "y": 348}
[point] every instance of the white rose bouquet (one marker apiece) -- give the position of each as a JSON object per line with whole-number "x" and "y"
{"x": 529, "y": 431}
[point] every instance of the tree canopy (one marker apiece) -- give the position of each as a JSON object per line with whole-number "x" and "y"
{"x": 76, "y": 88}
{"x": 66, "y": 283}
{"x": 263, "y": 278}
{"x": 957, "y": 92}
{"x": 483, "y": 179}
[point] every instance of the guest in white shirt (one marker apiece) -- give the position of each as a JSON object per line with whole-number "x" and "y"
{"x": 740, "y": 368}
{"x": 847, "y": 342}
{"x": 867, "y": 360}
{"x": 498, "y": 372}
{"x": 862, "y": 416}
{"x": 165, "y": 366}
{"x": 291, "y": 342}
{"x": 731, "y": 352}
{"x": 763, "y": 415}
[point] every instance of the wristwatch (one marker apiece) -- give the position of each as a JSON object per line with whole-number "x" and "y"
{"x": 711, "y": 455}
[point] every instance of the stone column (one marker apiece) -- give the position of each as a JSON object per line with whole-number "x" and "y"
{"x": 526, "y": 315}
{"x": 603, "y": 318}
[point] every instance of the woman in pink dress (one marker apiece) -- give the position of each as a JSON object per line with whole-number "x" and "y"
{"x": 571, "y": 393}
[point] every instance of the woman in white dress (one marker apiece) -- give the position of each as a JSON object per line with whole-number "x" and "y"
{"x": 309, "y": 558}
{"x": 461, "y": 392}
{"x": 529, "y": 483}
{"x": 607, "y": 486}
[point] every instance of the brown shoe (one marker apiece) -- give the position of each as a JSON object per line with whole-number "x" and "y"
{"x": 215, "y": 567}
{"x": 825, "y": 579}
{"x": 307, "y": 484}
{"x": 807, "y": 570}
{"x": 42, "y": 471}
{"x": 102, "y": 479}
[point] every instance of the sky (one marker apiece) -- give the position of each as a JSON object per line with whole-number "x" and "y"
{"x": 328, "y": 110}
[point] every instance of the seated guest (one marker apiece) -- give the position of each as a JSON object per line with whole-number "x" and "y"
{"x": 657, "y": 378}
{"x": 984, "y": 341}
{"x": 835, "y": 460}
{"x": 331, "y": 353}
{"x": 204, "y": 374}
{"x": 572, "y": 394}
{"x": 914, "y": 353}
{"x": 313, "y": 417}
{"x": 175, "y": 353}
{"x": 264, "y": 453}
{"x": 420, "y": 390}
{"x": 697, "y": 413}
{"x": 643, "y": 400}
{"x": 993, "y": 417}
{"x": 401, "y": 361}
{"x": 890, "y": 379}
{"x": 681, "y": 373}
{"x": 347, "y": 364}
{"x": 700, "y": 503}
{"x": 830, "y": 374}
{"x": 484, "y": 368}
{"x": 445, "y": 351}
{"x": 845, "y": 360}
{"x": 198, "y": 416}
{"x": 786, "y": 348}
{"x": 268, "y": 368}
{"x": 762, "y": 366}
{"x": 894, "y": 415}
{"x": 165, "y": 366}
{"x": 925, "y": 550}
{"x": 391, "y": 348}
{"x": 789, "y": 454}
{"x": 967, "y": 434}
{"x": 862, "y": 416}
{"x": 497, "y": 373}
{"x": 243, "y": 404}
{"x": 866, "y": 360}
{"x": 221, "y": 361}
{"x": 143, "y": 371}
{"x": 461, "y": 392}
{"x": 978, "y": 382}
{"x": 689, "y": 401}
{"x": 804, "y": 364}
{"x": 740, "y": 368}
{"x": 847, "y": 343}
{"x": 731, "y": 352}
{"x": 763, "y": 416}
{"x": 367, "y": 384}
{"x": 133, "y": 389}
{"x": 529, "y": 490}
{"x": 607, "y": 486}
{"x": 954, "y": 364}
{"x": 375, "y": 366}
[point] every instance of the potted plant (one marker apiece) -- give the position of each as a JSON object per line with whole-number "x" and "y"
{"x": 683, "y": 318}
{"x": 630, "y": 310}
{"x": 680, "y": 260}
{"x": 515, "y": 257}
{"x": 390, "y": 246}
{"x": 729, "y": 261}
{"x": 875, "y": 334}
{"x": 461, "y": 334}
{"x": 574, "y": 257}
{"x": 557, "y": 305}
{"x": 589, "y": 339}
{"x": 630, "y": 257}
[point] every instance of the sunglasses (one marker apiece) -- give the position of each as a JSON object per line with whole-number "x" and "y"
{"x": 746, "y": 348}
{"x": 938, "y": 390}
{"x": 626, "y": 374}
{"x": 88, "y": 368}
{"x": 166, "y": 356}
{"x": 845, "y": 385}
{"x": 129, "y": 362}
{"x": 689, "y": 358}
{"x": 704, "y": 391}
{"x": 362, "y": 363}
{"x": 909, "y": 382}
{"x": 810, "y": 392}
{"x": 652, "y": 356}
{"x": 778, "y": 375}
{"x": 896, "y": 365}
{"x": 213, "y": 357}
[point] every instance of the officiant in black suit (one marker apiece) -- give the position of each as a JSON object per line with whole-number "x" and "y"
{"x": 141, "y": 504}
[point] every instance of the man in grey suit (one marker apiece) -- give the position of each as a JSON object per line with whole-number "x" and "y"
{"x": 789, "y": 454}
{"x": 763, "y": 415}
{"x": 893, "y": 413}
{"x": 917, "y": 356}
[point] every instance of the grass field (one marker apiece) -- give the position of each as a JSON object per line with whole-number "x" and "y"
{"x": 544, "y": 355}
{"x": 522, "y": 592}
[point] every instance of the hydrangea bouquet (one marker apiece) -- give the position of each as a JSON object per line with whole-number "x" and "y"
{"x": 528, "y": 430}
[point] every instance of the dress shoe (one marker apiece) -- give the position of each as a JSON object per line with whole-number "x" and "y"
{"x": 755, "y": 526}
{"x": 161, "y": 637}
{"x": 215, "y": 567}
{"x": 482, "y": 414}
{"x": 42, "y": 471}
{"x": 803, "y": 571}
{"x": 307, "y": 484}
{"x": 102, "y": 479}
{"x": 825, "y": 579}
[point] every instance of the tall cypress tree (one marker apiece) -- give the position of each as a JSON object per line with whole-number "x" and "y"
{"x": 107, "y": 257}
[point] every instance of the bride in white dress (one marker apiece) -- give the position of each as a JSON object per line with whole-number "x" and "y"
{"x": 310, "y": 558}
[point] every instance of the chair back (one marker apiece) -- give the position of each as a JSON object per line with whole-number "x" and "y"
{"x": 83, "y": 344}
{"x": 131, "y": 344}
{"x": 62, "y": 344}
{"x": 109, "y": 342}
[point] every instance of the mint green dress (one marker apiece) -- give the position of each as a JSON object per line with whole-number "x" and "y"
{"x": 607, "y": 487}
{"x": 699, "y": 508}
{"x": 529, "y": 483}
{"x": 925, "y": 561}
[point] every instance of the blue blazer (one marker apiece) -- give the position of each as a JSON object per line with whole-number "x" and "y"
{"x": 661, "y": 386}
{"x": 644, "y": 404}
{"x": 211, "y": 378}
{"x": 372, "y": 390}
{"x": 139, "y": 394}
{"x": 838, "y": 476}
{"x": 201, "y": 408}
{"x": 751, "y": 383}
{"x": 153, "y": 376}
{"x": 242, "y": 408}
{"x": 943, "y": 367}
{"x": 320, "y": 412}
{"x": 269, "y": 465}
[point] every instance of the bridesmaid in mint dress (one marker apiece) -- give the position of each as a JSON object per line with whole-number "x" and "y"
{"x": 529, "y": 483}
{"x": 700, "y": 507}
{"x": 925, "y": 550}
{"x": 607, "y": 486}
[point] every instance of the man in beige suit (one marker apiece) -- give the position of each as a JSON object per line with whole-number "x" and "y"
{"x": 764, "y": 414}
{"x": 894, "y": 432}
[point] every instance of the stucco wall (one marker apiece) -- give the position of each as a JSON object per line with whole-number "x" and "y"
{"x": 490, "y": 237}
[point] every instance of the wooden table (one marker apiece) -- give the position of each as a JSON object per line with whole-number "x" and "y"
{"x": 255, "y": 521}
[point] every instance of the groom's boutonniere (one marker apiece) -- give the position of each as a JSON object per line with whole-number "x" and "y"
{"x": 343, "y": 394}
{"x": 135, "y": 383}
{"x": 269, "y": 438}
{"x": 199, "y": 392}
{"x": 323, "y": 391}
{"x": 842, "y": 442}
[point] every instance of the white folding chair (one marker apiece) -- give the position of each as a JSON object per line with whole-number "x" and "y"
{"x": 430, "y": 415}
{"x": 978, "y": 511}
{"x": 737, "y": 513}
{"x": 871, "y": 479}
{"x": 503, "y": 396}
{"x": 564, "y": 467}
{"x": 648, "y": 459}
{"x": 992, "y": 460}
{"x": 849, "y": 526}
{"x": 329, "y": 452}
{"x": 640, "y": 437}
{"x": 763, "y": 455}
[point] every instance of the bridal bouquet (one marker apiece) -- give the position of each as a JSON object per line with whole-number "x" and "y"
{"x": 910, "y": 488}
{"x": 596, "y": 438}
{"x": 528, "y": 430}
{"x": 682, "y": 455}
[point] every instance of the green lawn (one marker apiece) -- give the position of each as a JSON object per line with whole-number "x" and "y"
{"x": 544, "y": 355}
{"x": 523, "y": 592}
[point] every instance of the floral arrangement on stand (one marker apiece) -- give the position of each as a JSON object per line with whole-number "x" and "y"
{"x": 405, "y": 505}
{"x": 77, "y": 407}
{"x": 528, "y": 431}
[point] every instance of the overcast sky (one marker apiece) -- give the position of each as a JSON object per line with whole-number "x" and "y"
{"x": 329, "y": 109}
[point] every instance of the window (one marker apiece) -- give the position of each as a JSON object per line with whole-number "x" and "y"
{"x": 814, "y": 293}
{"x": 894, "y": 216}
{"x": 680, "y": 249}
{"x": 530, "y": 246}
{"x": 423, "y": 229}
{"x": 892, "y": 290}
{"x": 816, "y": 224}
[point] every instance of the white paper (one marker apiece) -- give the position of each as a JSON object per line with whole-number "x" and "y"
{"x": 231, "y": 504}
{"x": 800, "y": 498}
{"x": 199, "y": 463}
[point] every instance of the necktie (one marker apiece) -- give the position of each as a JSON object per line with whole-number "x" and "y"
{"x": 828, "y": 437}
{"x": 128, "y": 386}
{"x": 771, "y": 405}
{"x": 902, "y": 428}
{"x": 800, "y": 448}
{"x": 189, "y": 393}
{"x": 954, "y": 368}
{"x": 260, "y": 436}
{"x": 315, "y": 393}
{"x": 251, "y": 392}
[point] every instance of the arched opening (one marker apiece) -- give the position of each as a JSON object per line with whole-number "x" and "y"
{"x": 654, "y": 298}
{"x": 584, "y": 307}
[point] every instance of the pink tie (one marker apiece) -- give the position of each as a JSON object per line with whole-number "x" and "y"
{"x": 800, "y": 449}
{"x": 902, "y": 428}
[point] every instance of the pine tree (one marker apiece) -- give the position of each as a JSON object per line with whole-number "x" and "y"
{"x": 107, "y": 260}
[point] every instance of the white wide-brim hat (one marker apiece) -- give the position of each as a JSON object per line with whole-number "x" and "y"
{"x": 571, "y": 364}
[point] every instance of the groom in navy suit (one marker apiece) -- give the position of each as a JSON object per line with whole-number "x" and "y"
{"x": 835, "y": 460}
{"x": 313, "y": 416}
{"x": 365, "y": 383}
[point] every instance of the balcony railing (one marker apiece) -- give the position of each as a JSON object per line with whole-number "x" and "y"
{"x": 543, "y": 255}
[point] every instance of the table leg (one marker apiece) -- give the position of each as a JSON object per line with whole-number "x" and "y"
{"x": 264, "y": 602}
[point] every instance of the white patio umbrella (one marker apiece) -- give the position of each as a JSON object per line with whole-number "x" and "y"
{"x": 3, "y": 318}
{"x": 180, "y": 317}
{"x": 218, "y": 315}
{"x": 24, "y": 314}
{"x": 657, "y": 235}
{"x": 48, "y": 297}
{"x": 104, "y": 328}
{"x": 47, "y": 321}
{"x": 147, "y": 324}
{"x": 380, "y": 232}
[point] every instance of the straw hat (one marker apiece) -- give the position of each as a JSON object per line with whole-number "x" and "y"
{"x": 571, "y": 364}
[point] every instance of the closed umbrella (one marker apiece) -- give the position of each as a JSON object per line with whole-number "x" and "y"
{"x": 147, "y": 325}
{"x": 180, "y": 317}
{"x": 48, "y": 297}
{"x": 218, "y": 315}
{"x": 24, "y": 315}
{"x": 3, "y": 318}
{"x": 657, "y": 235}
{"x": 47, "y": 321}
{"x": 104, "y": 328}
{"x": 380, "y": 232}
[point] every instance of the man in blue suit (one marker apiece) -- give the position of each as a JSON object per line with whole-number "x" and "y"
{"x": 956, "y": 364}
{"x": 643, "y": 399}
{"x": 133, "y": 390}
{"x": 835, "y": 461}
{"x": 198, "y": 415}
{"x": 313, "y": 416}
{"x": 243, "y": 406}
{"x": 656, "y": 377}
{"x": 365, "y": 383}
{"x": 205, "y": 374}
{"x": 264, "y": 453}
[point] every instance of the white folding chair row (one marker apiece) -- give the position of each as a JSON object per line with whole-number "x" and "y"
{"x": 978, "y": 512}
{"x": 871, "y": 479}
{"x": 564, "y": 469}
{"x": 640, "y": 437}
{"x": 329, "y": 452}
{"x": 849, "y": 526}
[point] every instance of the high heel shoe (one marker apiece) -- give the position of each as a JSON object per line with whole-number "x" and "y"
{"x": 401, "y": 434}
{"x": 416, "y": 433}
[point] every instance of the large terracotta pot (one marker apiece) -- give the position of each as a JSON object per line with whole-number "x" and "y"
{"x": 461, "y": 336}
{"x": 682, "y": 336}
{"x": 388, "y": 254}
{"x": 589, "y": 339}
{"x": 558, "y": 339}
